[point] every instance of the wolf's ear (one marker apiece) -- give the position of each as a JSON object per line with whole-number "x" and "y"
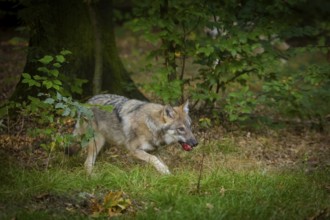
{"x": 168, "y": 112}
{"x": 185, "y": 106}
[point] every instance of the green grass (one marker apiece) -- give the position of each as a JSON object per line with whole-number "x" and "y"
{"x": 225, "y": 193}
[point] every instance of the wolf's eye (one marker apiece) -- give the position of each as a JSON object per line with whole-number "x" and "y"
{"x": 181, "y": 129}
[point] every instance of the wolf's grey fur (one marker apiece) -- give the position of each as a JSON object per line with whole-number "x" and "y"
{"x": 139, "y": 126}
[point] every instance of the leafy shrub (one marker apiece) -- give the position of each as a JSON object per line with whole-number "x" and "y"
{"x": 51, "y": 109}
{"x": 178, "y": 29}
{"x": 301, "y": 91}
{"x": 241, "y": 67}
{"x": 161, "y": 87}
{"x": 50, "y": 78}
{"x": 240, "y": 104}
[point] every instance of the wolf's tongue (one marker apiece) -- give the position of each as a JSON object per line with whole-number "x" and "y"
{"x": 186, "y": 147}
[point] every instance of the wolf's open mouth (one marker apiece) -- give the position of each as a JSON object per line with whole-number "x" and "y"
{"x": 186, "y": 146}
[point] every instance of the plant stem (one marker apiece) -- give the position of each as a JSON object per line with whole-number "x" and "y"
{"x": 200, "y": 174}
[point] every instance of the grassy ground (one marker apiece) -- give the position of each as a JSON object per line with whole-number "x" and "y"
{"x": 231, "y": 175}
{"x": 236, "y": 178}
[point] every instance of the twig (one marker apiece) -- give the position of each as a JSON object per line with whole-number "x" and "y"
{"x": 8, "y": 121}
{"x": 200, "y": 174}
{"x": 22, "y": 127}
{"x": 238, "y": 74}
{"x": 48, "y": 159}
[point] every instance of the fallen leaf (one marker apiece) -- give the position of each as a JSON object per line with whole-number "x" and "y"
{"x": 114, "y": 204}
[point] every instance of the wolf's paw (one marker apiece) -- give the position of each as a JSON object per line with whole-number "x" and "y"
{"x": 163, "y": 169}
{"x": 166, "y": 172}
{"x": 88, "y": 168}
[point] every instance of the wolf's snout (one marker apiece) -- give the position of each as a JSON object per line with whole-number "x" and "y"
{"x": 192, "y": 142}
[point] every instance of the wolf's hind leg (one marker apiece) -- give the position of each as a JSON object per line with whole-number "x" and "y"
{"x": 94, "y": 147}
{"x": 158, "y": 164}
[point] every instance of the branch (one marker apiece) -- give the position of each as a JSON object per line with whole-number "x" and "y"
{"x": 238, "y": 74}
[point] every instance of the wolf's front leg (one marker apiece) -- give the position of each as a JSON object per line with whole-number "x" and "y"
{"x": 94, "y": 147}
{"x": 158, "y": 164}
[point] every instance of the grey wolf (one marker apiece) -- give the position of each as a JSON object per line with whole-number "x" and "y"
{"x": 141, "y": 127}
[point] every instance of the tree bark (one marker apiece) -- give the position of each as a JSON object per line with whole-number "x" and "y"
{"x": 169, "y": 48}
{"x": 87, "y": 30}
{"x": 98, "y": 71}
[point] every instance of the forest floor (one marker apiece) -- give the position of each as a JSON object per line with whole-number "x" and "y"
{"x": 234, "y": 173}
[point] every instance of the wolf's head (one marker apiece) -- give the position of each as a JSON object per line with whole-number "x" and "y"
{"x": 177, "y": 126}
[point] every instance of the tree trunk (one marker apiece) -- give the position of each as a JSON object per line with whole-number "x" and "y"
{"x": 169, "y": 48}
{"x": 86, "y": 29}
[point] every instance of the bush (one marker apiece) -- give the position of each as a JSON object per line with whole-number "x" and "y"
{"x": 50, "y": 109}
{"x": 244, "y": 66}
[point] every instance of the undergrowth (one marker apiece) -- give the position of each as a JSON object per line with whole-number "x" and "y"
{"x": 64, "y": 191}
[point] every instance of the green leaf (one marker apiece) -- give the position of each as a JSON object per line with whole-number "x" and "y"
{"x": 206, "y": 50}
{"x": 26, "y": 81}
{"x": 37, "y": 84}
{"x": 31, "y": 82}
{"x": 59, "y": 96}
{"x": 37, "y": 77}
{"x": 233, "y": 117}
{"x": 43, "y": 69}
{"x": 66, "y": 112}
{"x": 60, "y": 105}
{"x": 48, "y": 84}
{"x": 48, "y": 131}
{"x": 54, "y": 73}
{"x": 57, "y": 65}
{"x": 107, "y": 108}
{"x": 60, "y": 58}
{"x": 57, "y": 87}
{"x": 65, "y": 99}
{"x": 49, "y": 101}
{"x": 57, "y": 82}
{"x": 65, "y": 52}
{"x": 73, "y": 113}
{"x": 46, "y": 59}
{"x": 26, "y": 75}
